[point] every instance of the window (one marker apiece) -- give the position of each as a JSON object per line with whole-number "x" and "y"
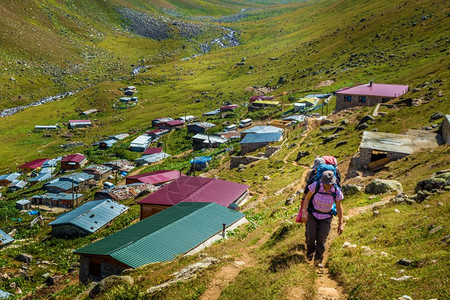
{"x": 348, "y": 98}
{"x": 362, "y": 99}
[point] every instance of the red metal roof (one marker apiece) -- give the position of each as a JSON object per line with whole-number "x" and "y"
{"x": 376, "y": 89}
{"x": 157, "y": 177}
{"x": 74, "y": 158}
{"x": 156, "y": 131}
{"x": 228, "y": 107}
{"x": 173, "y": 123}
{"x": 152, "y": 151}
{"x": 197, "y": 189}
{"x": 37, "y": 163}
{"x": 79, "y": 121}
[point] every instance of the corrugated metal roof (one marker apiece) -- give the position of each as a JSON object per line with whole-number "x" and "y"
{"x": 262, "y": 129}
{"x": 209, "y": 138}
{"x": 375, "y": 89}
{"x": 164, "y": 235}
{"x": 212, "y": 113}
{"x": 23, "y": 202}
{"x": 74, "y": 158}
{"x": 197, "y": 189}
{"x": 157, "y": 177}
{"x": 10, "y": 177}
{"x": 37, "y": 163}
{"x": 389, "y": 142}
{"x": 92, "y": 215}
{"x": 77, "y": 177}
{"x": 59, "y": 196}
{"x": 149, "y": 151}
{"x": 18, "y": 184}
{"x": 202, "y": 125}
{"x": 63, "y": 185}
{"x": 152, "y": 158}
{"x": 5, "y": 238}
{"x": 261, "y": 138}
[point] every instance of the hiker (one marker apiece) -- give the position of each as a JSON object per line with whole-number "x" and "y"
{"x": 317, "y": 213}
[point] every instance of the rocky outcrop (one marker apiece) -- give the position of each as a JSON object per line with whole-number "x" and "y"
{"x": 109, "y": 283}
{"x": 379, "y": 186}
{"x": 243, "y": 160}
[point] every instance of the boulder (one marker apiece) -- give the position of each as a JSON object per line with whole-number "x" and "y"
{"x": 437, "y": 116}
{"x": 339, "y": 128}
{"x": 330, "y": 138}
{"x": 109, "y": 283}
{"x": 362, "y": 126}
{"x": 266, "y": 177}
{"x": 26, "y": 258}
{"x": 289, "y": 201}
{"x": 351, "y": 189}
{"x": 366, "y": 119}
{"x": 301, "y": 154}
{"x": 327, "y": 128}
{"x": 379, "y": 186}
{"x": 430, "y": 184}
{"x": 341, "y": 143}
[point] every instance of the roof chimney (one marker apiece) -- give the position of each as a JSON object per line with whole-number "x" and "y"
{"x": 370, "y": 83}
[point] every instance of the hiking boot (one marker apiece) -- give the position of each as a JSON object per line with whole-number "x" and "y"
{"x": 310, "y": 256}
{"x": 318, "y": 263}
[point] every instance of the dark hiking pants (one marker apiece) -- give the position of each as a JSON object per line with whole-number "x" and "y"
{"x": 316, "y": 235}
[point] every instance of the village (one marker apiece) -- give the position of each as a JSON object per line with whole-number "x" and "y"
{"x": 77, "y": 197}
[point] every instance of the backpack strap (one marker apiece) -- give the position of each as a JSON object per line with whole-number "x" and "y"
{"x": 311, "y": 208}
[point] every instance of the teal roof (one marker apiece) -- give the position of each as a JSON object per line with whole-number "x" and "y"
{"x": 163, "y": 236}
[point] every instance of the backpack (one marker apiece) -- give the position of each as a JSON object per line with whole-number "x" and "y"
{"x": 326, "y": 167}
{"x": 311, "y": 208}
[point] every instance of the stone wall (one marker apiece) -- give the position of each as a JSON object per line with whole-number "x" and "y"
{"x": 244, "y": 160}
{"x": 250, "y": 147}
{"x": 67, "y": 230}
{"x": 365, "y": 154}
{"x": 370, "y": 101}
{"x": 271, "y": 150}
{"x": 108, "y": 267}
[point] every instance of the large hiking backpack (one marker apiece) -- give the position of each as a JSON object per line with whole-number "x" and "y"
{"x": 333, "y": 210}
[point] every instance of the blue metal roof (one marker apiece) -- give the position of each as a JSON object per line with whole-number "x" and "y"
{"x": 23, "y": 202}
{"x": 163, "y": 236}
{"x": 262, "y": 129}
{"x": 41, "y": 177}
{"x": 261, "y": 138}
{"x": 153, "y": 157}
{"x": 59, "y": 196}
{"x": 20, "y": 184}
{"x": 92, "y": 215}
{"x": 212, "y": 113}
{"x": 5, "y": 238}
{"x": 63, "y": 185}
{"x": 10, "y": 177}
{"x": 77, "y": 177}
{"x": 109, "y": 143}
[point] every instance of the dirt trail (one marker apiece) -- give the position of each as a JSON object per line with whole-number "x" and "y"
{"x": 326, "y": 286}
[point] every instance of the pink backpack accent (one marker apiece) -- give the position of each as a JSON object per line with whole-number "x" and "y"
{"x": 330, "y": 160}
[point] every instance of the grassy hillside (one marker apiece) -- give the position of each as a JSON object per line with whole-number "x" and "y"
{"x": 292, "y": 48}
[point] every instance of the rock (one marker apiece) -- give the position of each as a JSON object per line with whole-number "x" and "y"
{"x": 301, "y": 154}
{"x": 45, "y": 275}
{"x": 266, "y": 177}
{"x": 26, "y": 258}
{"x": 374, "y": 239}
{"x": 404, "y": 297}
{"x": 109, "y": 283}
{"x": 327, "y": 128}
{"x": 362, "y": 126}
{"x": 341, "y": 143}
{"x": 330, "y": 138}
{"x": 430, "y": 184}
{"x": 434, "y": 230}
{"x": 325, "y": 122}
{"x": 289, "y": 201}
{"x": 445, "y": 240}
{"x": 344, "y": 122}
{"x": 346, "y": 218}
{"x": 397, "y": 211}
{"x": 410, "y": 201}
{"x": 49, "y": 281}
{"x": 351, "y": 189}
{"x": 443, "y": 175}
{"x": 18, "y": 291}
{"x": 437, "y": 116}
{"x": 404, "y": 262}
{"x": 403, "y": 278}
{"x": 384, "y": 254}
{"x": 379, "y": 186}
{"x": 376, "y": 213}
{"x": 440, "y": 204}
{"x": 339, "y": 128}
{"x": 348, "y": 245}
{"x": 366, "y": 119}
{"x": 415, "y": 90}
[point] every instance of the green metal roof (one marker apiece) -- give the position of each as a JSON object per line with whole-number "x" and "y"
{"x": 163, "y": 236}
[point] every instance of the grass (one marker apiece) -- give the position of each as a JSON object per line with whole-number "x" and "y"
{"x": 401, "y": 235}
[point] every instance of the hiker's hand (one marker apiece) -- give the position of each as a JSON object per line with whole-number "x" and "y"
{"x": 340, "y": 229}
{"x": 304, "y": 216}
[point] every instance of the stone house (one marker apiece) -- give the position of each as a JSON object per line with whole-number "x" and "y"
{"x": 368, "y": 94}
{"x": 445, "y": 129}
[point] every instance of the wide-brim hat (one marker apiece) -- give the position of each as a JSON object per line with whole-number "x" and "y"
{"x": 317, "y": 162}
{"x": 328, "y": 177}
